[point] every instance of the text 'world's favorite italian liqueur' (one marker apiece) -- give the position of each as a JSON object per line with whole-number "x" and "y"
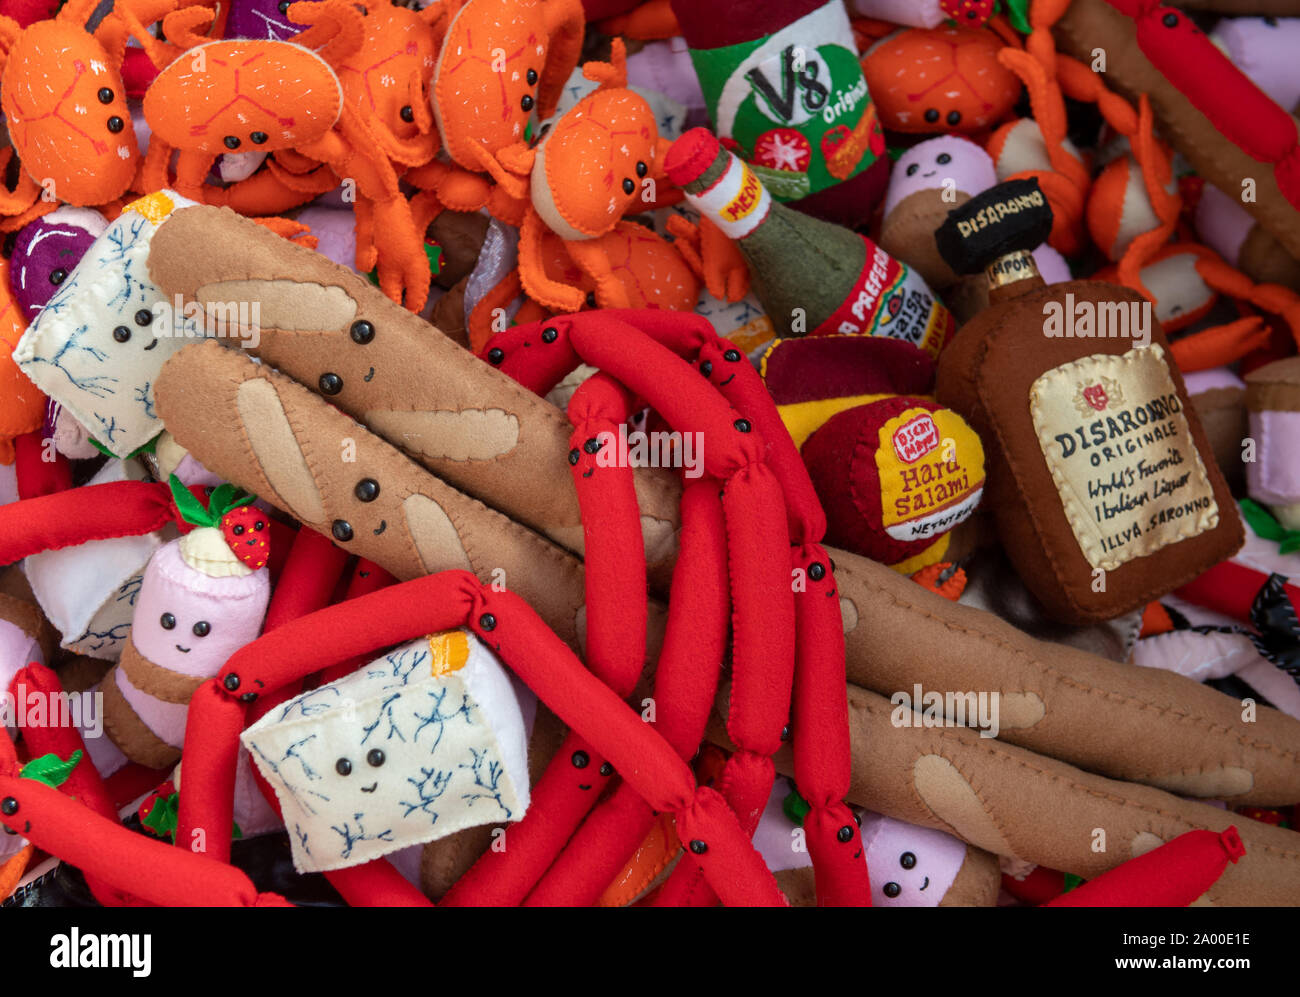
{"x": 1100, "y": 477}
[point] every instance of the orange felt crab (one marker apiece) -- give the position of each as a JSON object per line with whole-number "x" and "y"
{"x": 63, "y": 98}
{"x": 22, "y": 406}
{"x": 287, "y": 97}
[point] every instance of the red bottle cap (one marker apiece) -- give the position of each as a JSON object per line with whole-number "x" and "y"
{"x": 691, "y": 155}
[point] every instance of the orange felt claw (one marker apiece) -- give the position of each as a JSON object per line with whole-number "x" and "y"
{"x": 537, "y": 285}
{"x": 712, "y": 257}
{"x": 1221, "y": 344}
{"x": 612, "y": 73}
{"x": 403, "y": 267}
{"x": 482, "y": 322}
{"x": 289, "y": 229}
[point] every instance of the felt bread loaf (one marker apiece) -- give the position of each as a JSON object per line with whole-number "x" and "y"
{"x": 1143, "y": 725}
{"x": 332, "y": 331}
{"x": 1021, "y": 805}
{"x": 305, "y": 457}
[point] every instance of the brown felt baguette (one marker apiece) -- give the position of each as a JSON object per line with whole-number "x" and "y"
{"x": 465, "y": 421}
{"x": 1089, "y": 25}
{"x": 1012, "y": 802}
{"x": 273, "y": 437}
{"x": 1138, "y": 724}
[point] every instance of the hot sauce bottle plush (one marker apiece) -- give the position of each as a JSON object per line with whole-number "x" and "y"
{"x": 1099, "y": 474}
{"x": 812, "y": 277}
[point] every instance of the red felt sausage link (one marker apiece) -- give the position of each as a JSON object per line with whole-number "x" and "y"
{"x": 157, "y": 872}
{"x": 735, "y": 870}
{"x": 207, "y": 800}
{"x": 77, "y": 516}
{"x": 1173, "y": 875}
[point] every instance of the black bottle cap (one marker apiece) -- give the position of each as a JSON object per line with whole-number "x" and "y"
{"x": 1010, "y": 218}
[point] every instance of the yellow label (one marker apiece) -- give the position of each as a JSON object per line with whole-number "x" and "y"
{"x": 1115, "y": 438}
{"x": 746, "y": 199}
{"x": 931, "y": 468}
{"x": 449, "y": 651}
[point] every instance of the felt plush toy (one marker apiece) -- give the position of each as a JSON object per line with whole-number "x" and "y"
{"x": 1272, "y": 401}
{"x": 22, "y": 405}
{"x": 785, "y": 91}
{"x": 894, "y": 472}
{"x": 912, "y": 866}
{"x": 1220, "y": 399}
{"x": 1261, "y": 47}
{"x": 292, "y": 100}
{"x": 813, "y": 277}
{"x": 1214, "y": 120}
{"x": 1224, "y": 225}
{"x": 99, "y": 343}
{"x": 941, "y": 79}
{"x": 416, "y": 745}
{"x": 258, "y": 19}
{"x": 46, "y": 252}
{"x": 398, "y": 376}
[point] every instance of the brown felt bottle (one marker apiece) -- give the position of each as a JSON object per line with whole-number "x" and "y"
{"x": 1100, "y": 477}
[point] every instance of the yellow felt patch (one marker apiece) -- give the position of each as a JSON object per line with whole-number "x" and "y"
{"x": 803, "y": 419}
{"x": 931, "y": 555}
{"x": 155, "y": 206}
{"x": 449, "y": 651}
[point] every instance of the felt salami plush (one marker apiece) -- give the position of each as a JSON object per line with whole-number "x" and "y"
{"x": 785, "y": 90}
{"x": 416, "y": 745}
{"x": 942, "y": 79}
{"x": 201, "y": 598}
{"x": 1099, "y": 452}
{"x": 463, "y": 420}
{"x": 100, "y": 341}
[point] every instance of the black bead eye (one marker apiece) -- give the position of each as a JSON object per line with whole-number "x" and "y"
{"x": 330, "y": 384}
{"x": 231, "y": 141}
{"x": 531, "y": 77}
{"x": 144, "y": 317}
{"x": 58, "y": 276}
{"x": 641, "y": 169}
{"x": 259, "y": 525}
{"x": 550, "y": 334}
{"x": 575, "y": 455}
{"x": 115, "y": 124}
{"x": 238, "y": 530}
{"x": 122, "y": 334}
{"x": 742, "y": 425}
{"x": 343, "y": 767}
{"x": 496, "y": 355}
{"x": 592, "y": 445}
{"x": 629, "y": 185}
{"x": 259, "y": 138}
{"x": 367, "y": 490}
{"x": 8, "y": 806}
{"x": 487, "y": 621}
{"x": 375, "y": 757}
{"x": 580, "y": 759}
{"x": 591, "y": 299}
{"x": 943, "y": 159}
{"x": 731, "y": 356}
{"x": 284, "y": 6}
{"x": 845, "y": 834}
{"x": 706, "y": 368}
{"x": 932, "y": 115}
{"x": 817, "y": 571}
{"x": 167, "y": 621}
{"x": 699, "y": 847}
{"x": 892, "y": 890}
{"x": 907, "y": 860}
{"x": 954, "y": 118}
{"x": 1170, "y": 20}
{"x": 105, "y": 95}
{"x": 407, "y": 113}
{"x": 342, "y": 530}
{"x": 607, "y": 770}
{"x": 202, "y": 628}
{"x": 362, "y": 332}
{"x": 526, "y": 102}
{"x": 911, "y": 170}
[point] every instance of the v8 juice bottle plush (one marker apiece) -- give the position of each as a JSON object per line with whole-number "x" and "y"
{"x": 785, "y": 90}
{"x": 812, "y": 277}
{"x": 1100, "y": 477}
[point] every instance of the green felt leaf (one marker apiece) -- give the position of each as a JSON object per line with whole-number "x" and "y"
{"x": 51, "y": 769}
{"x": 1265, "y": 525}
{"x": 1072, "y": 881}
{"x": 226, "y": 497}
{"x": 190, "y": 508}
{"x": 795, "y": 807}
{"x": 1018, "y": 13}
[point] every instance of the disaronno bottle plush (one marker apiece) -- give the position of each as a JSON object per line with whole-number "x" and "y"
{"x": 1101, "y": 480}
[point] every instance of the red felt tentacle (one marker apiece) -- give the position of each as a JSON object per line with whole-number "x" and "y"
{"x": 36, "y": 475}
{"x": 715, "y": 839}
{"x": 77, "y": 516}
{"x": 103, "y": 848}
{"x": 686, "y": 680}
{"x": 539, "y": 355}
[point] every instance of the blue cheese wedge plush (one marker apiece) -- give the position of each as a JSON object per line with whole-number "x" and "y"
{"x": 97, "y": 347}
{"x": 418, "y": 744}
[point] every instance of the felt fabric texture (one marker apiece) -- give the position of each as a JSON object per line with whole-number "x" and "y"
{"x": 1015, "y": 803}
{"x": 100, "y": 341}
{"x": 53, "y": 68}
{"x": 1174, "y": 875}
{"x": 22, "y": 405}
{"x": 437, "y": 712}
{"x": 1273, "y": 407}
{"x": 485, "y": 435}
{"x": 1261, "y": 48}
{"x": 915, "y": 13}
{"x": 922, "y": 80}
{"x": 899, "y": 635}
{"x": 1089, "y": 23}
{"x": 988, "y": 380}
{"x": 415, "y": 525}
{"x": 88, "y": 588}
{"x": 259, "y": 19}
{"x": 19, "y": 608}
{"x": 47, "y": 250}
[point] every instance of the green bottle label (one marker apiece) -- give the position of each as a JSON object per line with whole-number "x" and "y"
{"x": 794, "y": 104}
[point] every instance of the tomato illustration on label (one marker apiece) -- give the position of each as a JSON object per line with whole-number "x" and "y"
{"x": 783, "y": 149}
